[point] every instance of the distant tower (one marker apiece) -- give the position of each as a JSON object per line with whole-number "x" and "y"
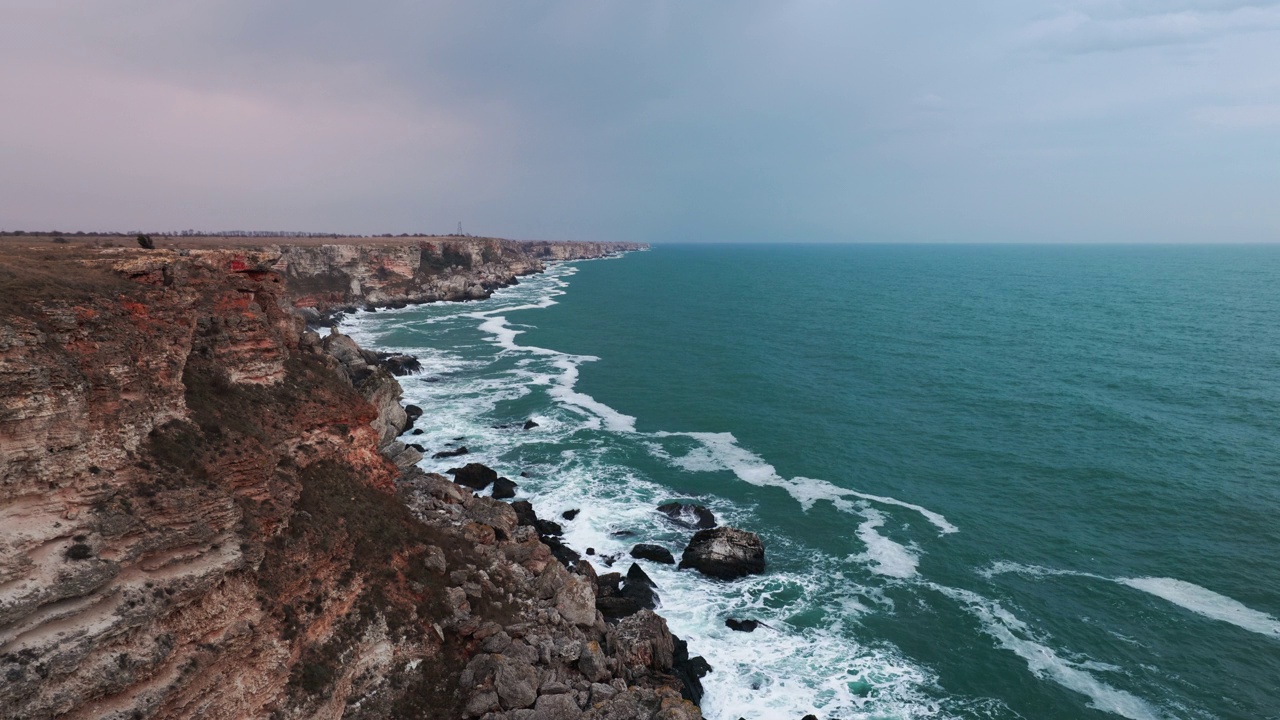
{"x": 459, "y": 233}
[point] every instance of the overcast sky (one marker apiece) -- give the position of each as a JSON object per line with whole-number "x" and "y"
{"x": 863, "y": 120}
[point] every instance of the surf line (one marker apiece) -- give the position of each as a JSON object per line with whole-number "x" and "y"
{"x": 1189, "y": 596}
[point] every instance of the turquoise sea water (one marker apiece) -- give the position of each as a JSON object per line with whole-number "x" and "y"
{"x": 994, "y": 482}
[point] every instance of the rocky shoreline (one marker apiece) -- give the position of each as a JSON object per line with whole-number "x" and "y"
{"x": 206, "y": 511}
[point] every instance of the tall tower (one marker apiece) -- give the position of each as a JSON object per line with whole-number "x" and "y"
{"x": 459, "y": 233}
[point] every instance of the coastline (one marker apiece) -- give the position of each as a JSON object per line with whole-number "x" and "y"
{"x": 216, "y": 493}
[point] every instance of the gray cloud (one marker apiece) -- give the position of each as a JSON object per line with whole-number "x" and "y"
{"x": 649, "y": 121}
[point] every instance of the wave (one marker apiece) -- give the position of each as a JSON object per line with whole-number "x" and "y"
{"x": 1207, "y": 603}
{"x": 1012, "y": 634}
{"x": 1189, "y": 596}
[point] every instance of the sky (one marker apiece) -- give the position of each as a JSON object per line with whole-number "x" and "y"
{"x": 687, "y": 120}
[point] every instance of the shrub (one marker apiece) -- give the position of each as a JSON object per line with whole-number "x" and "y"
{"x": 79, "y": 551}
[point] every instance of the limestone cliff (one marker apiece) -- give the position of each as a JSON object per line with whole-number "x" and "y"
{"x": 415, "y": 270}
{"x": 200, "y": 516}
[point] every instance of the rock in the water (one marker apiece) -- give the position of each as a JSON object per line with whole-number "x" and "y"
{"x": 690, "y": 670}
{"x": 560, "y": 551}
{"x": 524, "y": 513}
{"x": 402, "y": 364}
{"x": 689, "y": 515}
{"x": 741, "y": 625}
{"x": 725, "y": 553}
{"x": 417, "y": 447}
{"x": 416, "y": 431}
{"x": 473, "y": 475}
{"x": 413, "y": 411}
{"x": 504, "y": 488}
{"x": 548, "y": 527}
{"x": 656, "y": 553}
{"x": 451, "y": 453}
{"x": 570, "y": 514}
{"x": 529, "y": 424}
{"x": 616, "y": 600}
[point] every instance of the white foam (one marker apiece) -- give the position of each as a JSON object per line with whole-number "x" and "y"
{"x": 1002, "y": 567}
{"x": 1207, "y": 603}
{"x": 1197, "y": 599}
{"x": 887, "y": 557}
{"x": 721, "y": 451}
{"x": 564, "y": 392}
{"x": 1043, "y": 662}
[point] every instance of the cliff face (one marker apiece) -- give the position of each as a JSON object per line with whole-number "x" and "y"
{"x": 200, "y": 516}
{"x": 419, "y": 270}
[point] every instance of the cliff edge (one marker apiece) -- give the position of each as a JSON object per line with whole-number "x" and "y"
{"x": 204, "y": 511}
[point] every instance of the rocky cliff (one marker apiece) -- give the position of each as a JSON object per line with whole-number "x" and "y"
{"x": 204, "y": 512}
{"x": 415, "y": 270}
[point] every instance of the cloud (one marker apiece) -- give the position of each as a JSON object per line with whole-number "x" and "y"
{"x": 1081, "y": 32}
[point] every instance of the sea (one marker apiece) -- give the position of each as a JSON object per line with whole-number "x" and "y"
{"x": 1017, "y": 481}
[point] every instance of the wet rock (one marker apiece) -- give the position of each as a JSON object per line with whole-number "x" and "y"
{"x": 416, "y": 431}
{"x": 570, "y": 514}
{"x": 451, "y": 453}
{"x": 741, "y": 625}
{"x": 656, "y": 553}
{"x": 562, "y": 552}
{"x": 639, "y": 593}
{"x": 504, "y": 488}
{"x": 689, "y": 670}
{"x": 402, "y": 364}
{"x": 724, "y": 553}
{"x": 473, "y": 475}
{"x": 413, "y": 411}
{"x": 549, "y": 527}
{"x": 525, "y": 513}
{"x": 529, "y": 424}
{"x": 697, "y": 517}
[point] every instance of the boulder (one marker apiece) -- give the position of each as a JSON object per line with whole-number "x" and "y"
{"x": 451, "y": 453}
{"x": 656, "y": 553}
{"x": 556, "y": 707}
{"x": 549, "y": 527}
{"x": 413, "y": 411}
{"x": 529, "y": 424}
{"x": 473, "y": 475}
{"x": 515, "y": 683}
{"x": 402, "y": 364}
{"x": 615, "y": 601}
{"x": 524, "y": 513}
{"x": 570, "y": 514}
{"x": 503, "y": 488}
{"x": 560, "y": 551}
{"x": 724, "y": 553}
{"x": 576, "y": 601}
{"x": 689, "y": 670}
{"x": 642, "y": 642}
{"x": 697, "y": 517}
{"x": 741, "y": 625}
